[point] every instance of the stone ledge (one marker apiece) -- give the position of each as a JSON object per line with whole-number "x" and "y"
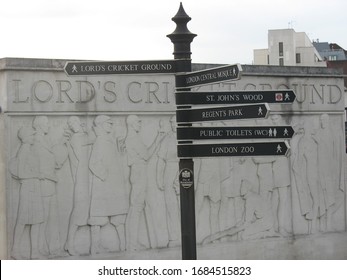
{"x": 328, "y": 246}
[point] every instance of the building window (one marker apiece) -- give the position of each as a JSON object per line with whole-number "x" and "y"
{"x": 298, "y": 58}
{"x": 281, "y": 61}
{"x": 332, "y": 57}
{"x": 280, "y": 48}
{"x": 268, "y": 59}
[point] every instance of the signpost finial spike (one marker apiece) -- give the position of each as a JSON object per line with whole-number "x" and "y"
{"x": 181, "y": 37}
{"x": 181, "y": 14}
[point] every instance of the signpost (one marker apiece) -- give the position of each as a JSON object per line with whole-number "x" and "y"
{"x": 244, "y": 132}
{"x": 232, "y": 149}
{"x": 235, "y": 97}
{"x": 223, "y": 113}
{"x": 181, "y": 39}
{"x": 185, "y": 115}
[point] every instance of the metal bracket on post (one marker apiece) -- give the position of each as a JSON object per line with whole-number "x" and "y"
{"x": 181, "y": 39}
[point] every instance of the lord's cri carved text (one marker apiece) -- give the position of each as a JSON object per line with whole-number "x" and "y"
{"x": 80, "y": 91}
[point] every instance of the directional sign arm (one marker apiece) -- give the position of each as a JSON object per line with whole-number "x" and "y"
{"x": 235, "y": 97}
{"x": 242, "y": 132}
{"x": 80, "y": 68}
{"x": 260, "y": 111}
{"x": 233, "y": 150}
{"x": 210, "y": 76}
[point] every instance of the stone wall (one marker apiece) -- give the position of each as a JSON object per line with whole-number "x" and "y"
{"x": 90, "y": 169}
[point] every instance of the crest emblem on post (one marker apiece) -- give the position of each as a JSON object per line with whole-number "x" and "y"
{"x": 186, "y": 178}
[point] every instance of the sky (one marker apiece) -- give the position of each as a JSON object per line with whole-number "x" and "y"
{"x": 114, "y": 30}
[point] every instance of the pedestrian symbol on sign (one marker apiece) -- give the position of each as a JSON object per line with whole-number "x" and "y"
{"x": 260, "y": 111}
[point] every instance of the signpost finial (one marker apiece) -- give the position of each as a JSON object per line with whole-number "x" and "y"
{"x": 181, "y": 37}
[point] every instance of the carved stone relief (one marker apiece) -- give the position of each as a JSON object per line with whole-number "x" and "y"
{"x": 317, "y": 194}
{"x": 92, "y": 185}
{"x": 103, "y": 167}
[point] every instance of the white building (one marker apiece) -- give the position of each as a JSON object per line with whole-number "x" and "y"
{"x": 288, "y": 48}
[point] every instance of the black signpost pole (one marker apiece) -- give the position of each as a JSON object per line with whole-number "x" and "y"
{"x": 181, "y": 39}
